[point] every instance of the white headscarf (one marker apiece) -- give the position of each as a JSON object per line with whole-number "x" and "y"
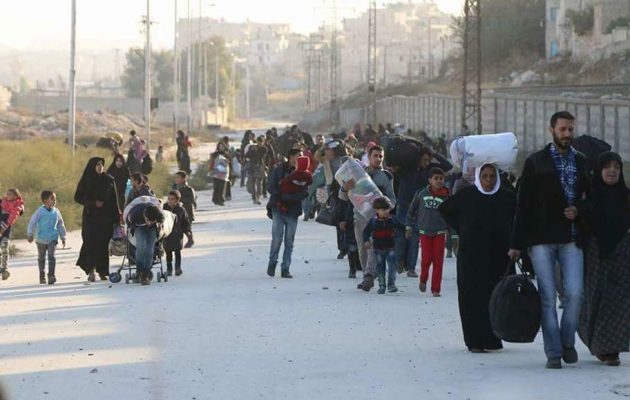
{"x": 497, "y": 186}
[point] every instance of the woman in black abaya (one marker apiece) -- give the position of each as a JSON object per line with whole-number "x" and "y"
{"x": 482, "y": 215}
{"x": 605, "y": 319}
{"x": 120, "y": 172}
{"x": 96, "y": 192}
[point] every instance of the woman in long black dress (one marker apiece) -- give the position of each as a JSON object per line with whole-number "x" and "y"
{"x": 482, "y": 216}
{"x": 120, "y": 172}
{"x": 605, "y": 319}
{"x": 96, "y": 192}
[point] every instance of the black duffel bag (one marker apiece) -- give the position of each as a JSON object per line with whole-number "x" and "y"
{"x": 401, "y": 151}
{"x": 515, "y": 310}
{"x": 328, "y": 213}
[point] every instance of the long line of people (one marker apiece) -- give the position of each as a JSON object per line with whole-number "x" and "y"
{"x": 565, "y": 215}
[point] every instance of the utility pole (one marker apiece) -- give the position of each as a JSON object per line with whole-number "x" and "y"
{"x": 430, "y": 51}
{"x": 206, "y": 89}
{"x": 72, "y": 78}
{"x": 471, "y": 88}
{"x": 147, "y": 77}
{"x": 334, "y": 65}
{"x": 247, "y": 79}
{"x": 199, "y": 53}
{"x": 176, "y": 76}
{"x": 233, "y": 87}
{"x": 216, "y": 86}
{"x": 371, "y": 81}
{"x": 189, "y": 71}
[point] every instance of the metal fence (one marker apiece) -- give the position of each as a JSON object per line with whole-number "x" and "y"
{"x": 526, "y": 116}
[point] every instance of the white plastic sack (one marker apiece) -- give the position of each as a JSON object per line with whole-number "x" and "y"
{"x": 365, "y": 191}
{"x": 474, "y": 151}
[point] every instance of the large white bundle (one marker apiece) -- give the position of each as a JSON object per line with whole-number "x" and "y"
{"x": 169, "y": 217}
{"x": 364, "y": 192}
{"x": 474, "y": 151}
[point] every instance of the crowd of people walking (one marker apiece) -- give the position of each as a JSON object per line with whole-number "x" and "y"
{"x": 567, "y": 217}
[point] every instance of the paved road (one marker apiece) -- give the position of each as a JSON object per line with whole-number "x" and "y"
{"x": 224, "y": 330}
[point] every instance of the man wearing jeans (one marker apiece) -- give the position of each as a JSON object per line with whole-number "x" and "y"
{"x": 284, "y": 221}
{"x": 553, "y": 182}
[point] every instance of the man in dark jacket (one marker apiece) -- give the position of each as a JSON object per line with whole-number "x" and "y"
{"x": 410, "y": 180}
{"x": 284, "y": 222}
{"x": 553, "y": 182}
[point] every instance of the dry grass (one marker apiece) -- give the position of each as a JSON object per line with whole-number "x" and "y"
{"x": 42, "y": 164}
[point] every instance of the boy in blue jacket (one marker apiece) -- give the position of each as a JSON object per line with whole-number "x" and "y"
{"x": 380, "y": 233}
{"x": 46, "y": 226}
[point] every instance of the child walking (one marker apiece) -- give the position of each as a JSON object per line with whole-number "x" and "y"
{"x": 423, "y": 216}
{"x": 173, "y": 242}
{"x": 46, "y": 226}
{"x": 188, "y": 200}
{"x": 380, "y": 233}
{"x": 11, "y": 207}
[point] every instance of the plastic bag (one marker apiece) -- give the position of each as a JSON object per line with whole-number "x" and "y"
{"x": 474, "y": 151}
{"x": 364, "y": 191}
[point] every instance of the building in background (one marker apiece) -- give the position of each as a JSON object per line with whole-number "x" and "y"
{"x": 587, "y": 30}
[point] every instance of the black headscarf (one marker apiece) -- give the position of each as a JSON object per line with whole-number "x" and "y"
{"x": 610, "y": 216}
{"x": 121, "y": 174}
{"x": 93, "y": 186}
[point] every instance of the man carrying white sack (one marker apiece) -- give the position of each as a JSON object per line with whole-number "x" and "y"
{"x": 384, "y": 182}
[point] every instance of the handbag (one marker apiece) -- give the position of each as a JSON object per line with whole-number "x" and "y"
{"x": 515, "y": 308}
{"x": 327, "y": 214}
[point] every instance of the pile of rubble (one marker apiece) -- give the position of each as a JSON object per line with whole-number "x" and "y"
{"x": 18, "y": 124}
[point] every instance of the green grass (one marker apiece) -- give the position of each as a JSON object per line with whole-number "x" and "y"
{"x": 33, "y": 166}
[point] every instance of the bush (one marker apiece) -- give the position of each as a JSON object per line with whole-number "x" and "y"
{"x": 198, "y": 178}
{"x": 582, "y": 20}
{"x": 48, "y": 165}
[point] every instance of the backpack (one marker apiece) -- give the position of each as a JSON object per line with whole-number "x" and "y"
{"x": 515, "y": 308}
{"x": 401, "y": 151}
{"x": 147, "y": 165}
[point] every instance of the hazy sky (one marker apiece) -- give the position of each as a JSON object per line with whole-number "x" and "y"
{"x": 45, "y": 24}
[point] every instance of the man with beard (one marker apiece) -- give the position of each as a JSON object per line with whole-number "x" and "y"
{"x": 553, "y": 183}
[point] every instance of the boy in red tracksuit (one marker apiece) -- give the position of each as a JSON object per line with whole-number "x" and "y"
{"x": 423, "y": 216}
{"x": 296, "y": 181}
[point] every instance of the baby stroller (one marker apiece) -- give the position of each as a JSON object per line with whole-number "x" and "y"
{"x": 129, "y": 263}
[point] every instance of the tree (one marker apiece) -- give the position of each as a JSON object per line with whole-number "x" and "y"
{"x": 509, "y": 27}
{"x": 161, "y": 74}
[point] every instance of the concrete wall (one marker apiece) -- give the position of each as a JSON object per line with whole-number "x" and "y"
{"x": 528, "y": 117}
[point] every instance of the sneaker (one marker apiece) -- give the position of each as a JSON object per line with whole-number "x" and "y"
{"x": 341, "y": 255}
{"x": 422, "y": 287}
{"x": 42, "y": 280}
{"x": 392, "y": 289}
{"x": 352, "y": 275}
{"x": 477, "y": 351}
{"x": 553, "y": 363}
{"x": 145, "y": 281}
{"x": 189, "y": 243}
{"x": 449, "y": 254}
{"x": 368, "y": 283}
{"x": 178, "y": 272}
{"x": 436, "y": 294}
{"x": 271, "y": 270}
{"x": 169, "y": 270}
{"x": 51, "y": 279}
{"x": 400, "y": 268}
{"x": 381, "y": 290}
{"x": 5, "y": 274}
{"x": 102, "y": 277}
{"x": 360, "y": 286}
{"x": 412, "y": 274}
{"x": 569, "y": 355}
{"x": 91, "y": 277}
{"x": 286, "y": 274}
